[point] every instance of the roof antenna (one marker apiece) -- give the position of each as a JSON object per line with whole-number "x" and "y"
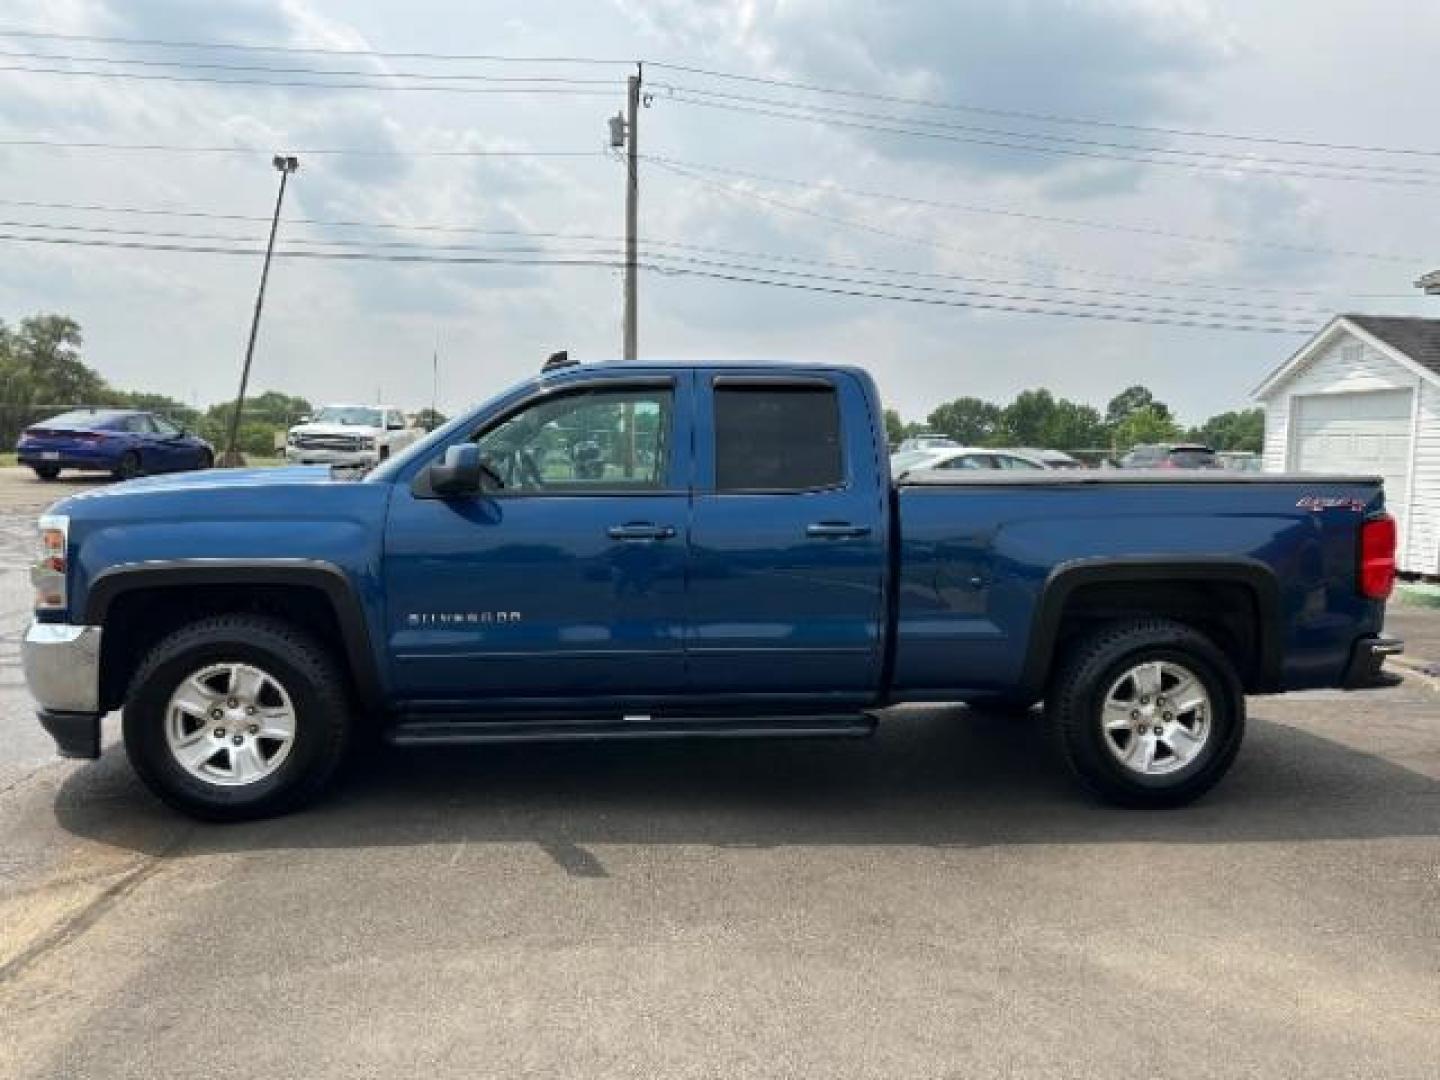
{"x": 559, "y": 359}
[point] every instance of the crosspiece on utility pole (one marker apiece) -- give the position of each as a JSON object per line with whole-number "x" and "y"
{"x": 286, "y": 165}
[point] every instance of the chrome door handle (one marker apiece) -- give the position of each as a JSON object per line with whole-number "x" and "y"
{"x": 640, "y": 530}
{"x": 836, "y": 530}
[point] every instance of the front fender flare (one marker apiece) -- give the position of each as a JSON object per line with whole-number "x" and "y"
{"x": 337, "y": 587}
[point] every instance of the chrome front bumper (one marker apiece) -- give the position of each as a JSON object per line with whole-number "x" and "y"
{"x": 62, "y": 666}
{"x": 62, "y": 669}
{"x": 298, "y": 455}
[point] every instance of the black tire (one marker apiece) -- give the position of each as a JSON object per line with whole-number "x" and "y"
{"x": 308, "y": 673}
{"x": 207, "y": 461}
{"x": 129, "y": 467}
{"x": 47, "y": 472}
{"x": 1089, "y": 669}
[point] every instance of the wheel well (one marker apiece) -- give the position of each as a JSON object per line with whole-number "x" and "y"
{"x": 136, "y": 620}
{"x": 1227, "y": 612}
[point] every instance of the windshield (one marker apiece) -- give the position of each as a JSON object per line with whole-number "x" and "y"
{"x": 350, "y": 415}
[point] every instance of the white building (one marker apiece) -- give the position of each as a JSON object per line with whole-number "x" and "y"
{"x": 1363, "y": 396}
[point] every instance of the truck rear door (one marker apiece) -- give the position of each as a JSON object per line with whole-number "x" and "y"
{"x": 788, "y": 538}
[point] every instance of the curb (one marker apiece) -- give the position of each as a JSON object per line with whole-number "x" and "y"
{"x": 1422, "y": 671}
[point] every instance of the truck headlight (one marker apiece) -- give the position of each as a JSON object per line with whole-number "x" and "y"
{"x": 292, "y": 439}
{"x": 366, "y": 442}
{"x": 49, "y": 572}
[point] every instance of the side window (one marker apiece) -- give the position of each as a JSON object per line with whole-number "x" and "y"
{"x": 394, "y": 420}
{"x": 1008, "y": 462}
{"x": 777, "y": 438}
{"x": 163, "y": 426}
{"x": 969, "y": 461}
{"x": 594, "y": 440}
{"x": 139, "y": 425}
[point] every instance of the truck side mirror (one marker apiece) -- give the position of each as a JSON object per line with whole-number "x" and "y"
{"x": 459, "y": 472}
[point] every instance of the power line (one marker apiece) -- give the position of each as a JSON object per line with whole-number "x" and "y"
{"x": 163, "y": 43}
{"x": 686, "y": 260}
{"x": 359, "y": 151}
{"x": 263, "y": 68}
{"x": 803, "y": 111}
{"x": 293, "y": 84}
{"x": 685, "y": 69}
{"x": 1119, "y": 313}
{"x": 683, "y": 99}
{"x": 1198, "y": 323}
{"x": 531, "y": 234}
{"x": 931, "y": 242}
{"x": 614, "y": 251}
{"x": 1041, "y": 117}
{"x": 1140, "y": 230}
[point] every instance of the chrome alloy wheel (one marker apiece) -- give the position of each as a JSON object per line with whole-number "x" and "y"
{"x": 1156, "y": 717}
{"x": 230, "y": 724}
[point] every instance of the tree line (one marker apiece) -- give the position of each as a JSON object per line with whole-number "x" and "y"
{"x": 1038, "y": 418}
{"x": 42, "y": 373}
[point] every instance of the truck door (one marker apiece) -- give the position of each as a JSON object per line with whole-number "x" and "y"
{"x": 788, "y": 539}
{"x": 566, "y": 586}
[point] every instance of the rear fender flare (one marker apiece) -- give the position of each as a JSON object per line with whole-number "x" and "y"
{"x": 1070, "y": 576}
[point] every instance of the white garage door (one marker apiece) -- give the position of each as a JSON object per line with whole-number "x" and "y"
{"x": 1356, "y": 433}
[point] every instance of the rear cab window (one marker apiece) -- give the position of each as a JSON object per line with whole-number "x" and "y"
{"x": 777, "y": 437}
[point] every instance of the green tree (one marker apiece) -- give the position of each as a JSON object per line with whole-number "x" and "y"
{"x": 430, "y": 419}
{"x": 1243, "y": 429}
{"x": 1130, "y": 401}
{"x": 1073, "y": 426}
{"x": 967, "y": 420}
{"x": 1144, "y": 425}
{"x": 1028, "y": 419}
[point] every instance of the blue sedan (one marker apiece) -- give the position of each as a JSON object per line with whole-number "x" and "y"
{"x": 122, "y": 442}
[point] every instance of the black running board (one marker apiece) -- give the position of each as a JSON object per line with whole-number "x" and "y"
{"x": 429, "y": 731}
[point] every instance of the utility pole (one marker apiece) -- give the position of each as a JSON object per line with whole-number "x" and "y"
{"x": 286, "y": 165}
{"x": 632, "y": 210}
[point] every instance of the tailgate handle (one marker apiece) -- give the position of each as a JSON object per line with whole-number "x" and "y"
{"x": 836, "y": 530}
{"x": 640, "y": 530}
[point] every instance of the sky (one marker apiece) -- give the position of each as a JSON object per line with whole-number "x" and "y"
{"x": 1129, "y": 215}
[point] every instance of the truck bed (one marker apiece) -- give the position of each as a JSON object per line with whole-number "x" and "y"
{"x": 1073, "y": 477}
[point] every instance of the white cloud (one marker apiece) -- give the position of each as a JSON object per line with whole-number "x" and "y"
{"x": 176, "y": 322}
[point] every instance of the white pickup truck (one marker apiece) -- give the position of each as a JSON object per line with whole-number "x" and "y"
{"x": 354, "y": 435}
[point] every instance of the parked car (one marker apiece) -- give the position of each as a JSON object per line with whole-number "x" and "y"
{"x": 123, "y": 442}
{"x": 1050, "y": 459}
{"x": 926, "y": 441}
{"x": 741, "y": 564}
{"x": 967, "y": 457}
{"x": 350, "y": 435}
{"x": 1239, "y": 460}
{"x": 1170, "y": 456}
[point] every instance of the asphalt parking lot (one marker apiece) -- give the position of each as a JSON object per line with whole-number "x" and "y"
{"x": 936, "y": 902}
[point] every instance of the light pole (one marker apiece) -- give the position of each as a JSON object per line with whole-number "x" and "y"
{"x": 285, "y": 164}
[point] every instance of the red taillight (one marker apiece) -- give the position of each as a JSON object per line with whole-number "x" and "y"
{"x": 1377, "y": 557}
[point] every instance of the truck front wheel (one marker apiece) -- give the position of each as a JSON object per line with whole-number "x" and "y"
{"x": 237, "y": 717}
{"x": 1147, "y": 713}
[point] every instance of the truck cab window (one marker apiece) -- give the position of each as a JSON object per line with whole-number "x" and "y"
{"x": 597, "y": 440}
{"x": 777, "y": 438}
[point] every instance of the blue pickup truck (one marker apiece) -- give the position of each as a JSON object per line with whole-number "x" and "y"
{"x": 648, "y": 550}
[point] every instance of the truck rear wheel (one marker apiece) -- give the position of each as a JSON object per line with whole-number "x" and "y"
{"x": 1147, "y": 713}
{"x": 237, "y": 717}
